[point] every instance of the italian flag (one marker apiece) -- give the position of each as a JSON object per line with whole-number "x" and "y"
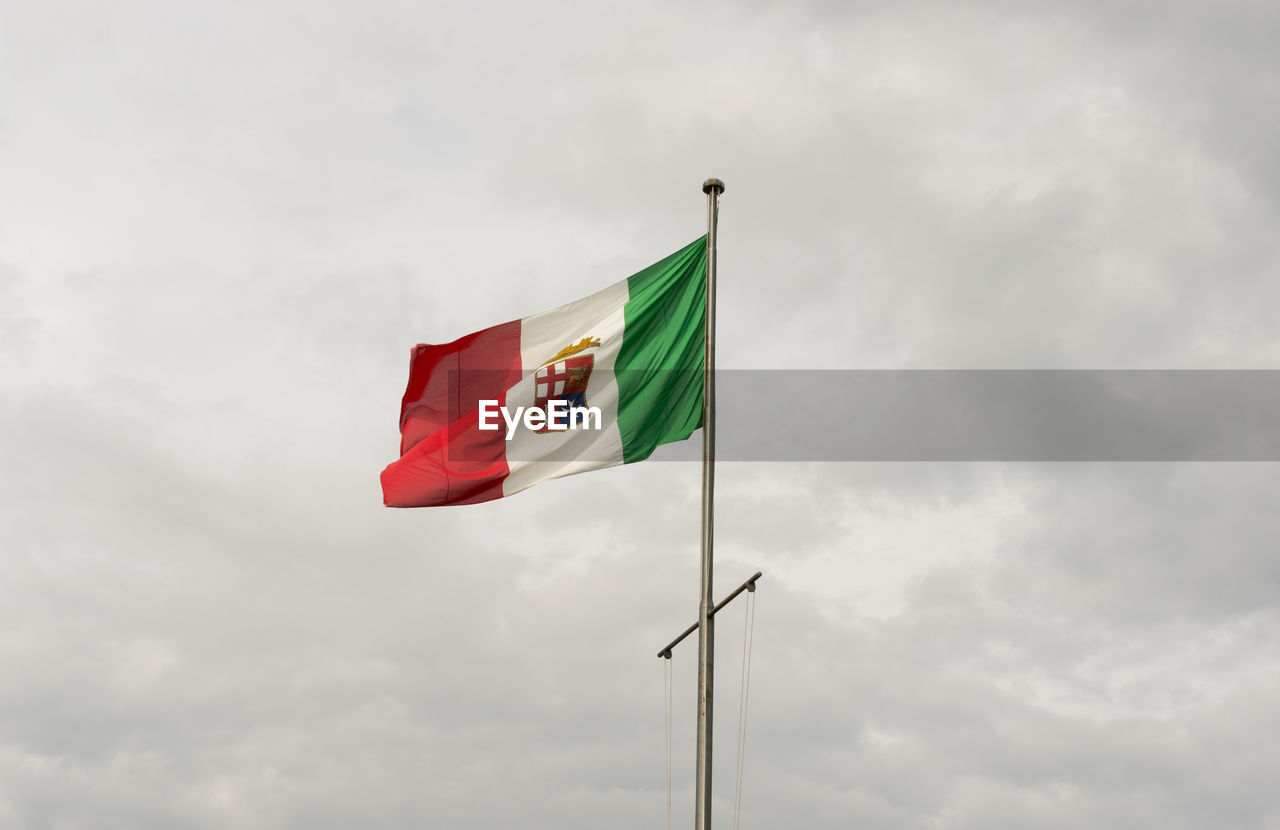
{"x": 633, "y": 351}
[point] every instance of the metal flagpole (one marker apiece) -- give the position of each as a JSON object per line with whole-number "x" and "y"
{"x": 706, "y": 616}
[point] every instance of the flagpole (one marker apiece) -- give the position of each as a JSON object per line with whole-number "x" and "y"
{"x": 706, "y": 616}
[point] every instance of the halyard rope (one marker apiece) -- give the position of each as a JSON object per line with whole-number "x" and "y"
{"x": 668, "y": 674}
{"x": 748, "y": 636}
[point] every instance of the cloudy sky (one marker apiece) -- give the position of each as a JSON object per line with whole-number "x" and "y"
{"x": 222, "y": 227}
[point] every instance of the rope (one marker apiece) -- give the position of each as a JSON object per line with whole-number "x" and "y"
{"x": 748, "y": 637}
{"x": 668, "y": 676}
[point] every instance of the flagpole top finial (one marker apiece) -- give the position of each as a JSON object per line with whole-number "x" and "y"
{"x": 713, "y": 184}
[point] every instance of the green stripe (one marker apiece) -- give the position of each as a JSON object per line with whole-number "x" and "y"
{"x": 659, "y": 368}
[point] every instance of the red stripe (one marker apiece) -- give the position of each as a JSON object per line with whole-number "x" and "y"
{"x": 444, "y": 457}
{"x": 457, "y": 465}
{"x": 446, "y": 382}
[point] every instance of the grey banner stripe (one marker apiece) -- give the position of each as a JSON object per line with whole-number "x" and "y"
{"x": 998, "y": 415}
{"x": 991, "y": 415}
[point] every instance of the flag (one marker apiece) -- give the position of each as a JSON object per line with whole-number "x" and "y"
{"x": 630, "y": 355}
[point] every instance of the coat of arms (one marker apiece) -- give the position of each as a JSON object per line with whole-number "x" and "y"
{"x": 564, "y": 378}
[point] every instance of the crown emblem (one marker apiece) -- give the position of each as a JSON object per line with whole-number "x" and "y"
{"x": 585, "y": 343}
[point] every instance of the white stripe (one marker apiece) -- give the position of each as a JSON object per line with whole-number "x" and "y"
{"x": 533, "y": 458}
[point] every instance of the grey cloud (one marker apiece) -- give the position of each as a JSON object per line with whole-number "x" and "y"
{"x": 223, "y": 229}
